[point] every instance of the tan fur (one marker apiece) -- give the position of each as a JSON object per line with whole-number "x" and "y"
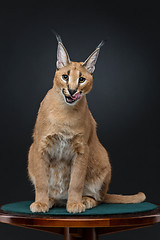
{"x": 67, "y": 163}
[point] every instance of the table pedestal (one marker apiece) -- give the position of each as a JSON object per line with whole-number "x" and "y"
{"x": 80, "y": 233}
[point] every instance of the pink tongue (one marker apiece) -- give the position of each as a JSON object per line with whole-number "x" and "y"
{"x": 76, "y": 96}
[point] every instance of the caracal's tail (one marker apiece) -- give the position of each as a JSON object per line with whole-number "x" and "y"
{"x": 116, "y": 198}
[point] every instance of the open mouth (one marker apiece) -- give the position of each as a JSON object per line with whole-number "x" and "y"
{"x": 73, "y": 98}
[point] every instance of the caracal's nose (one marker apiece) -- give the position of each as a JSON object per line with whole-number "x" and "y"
{"x": 72, "y": 91}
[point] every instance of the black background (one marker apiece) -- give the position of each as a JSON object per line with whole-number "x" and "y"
{"x": 124, "y": 101}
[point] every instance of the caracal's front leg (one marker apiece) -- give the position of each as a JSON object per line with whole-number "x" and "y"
{"x": 40, "y": 174}
{"x": 78, "y": 174}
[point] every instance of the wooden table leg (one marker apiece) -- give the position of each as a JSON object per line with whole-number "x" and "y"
{"x": 80, "y": 233}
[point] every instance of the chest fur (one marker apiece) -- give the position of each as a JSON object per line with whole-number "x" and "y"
{"x": 59, "y": 147}
{"x": 60, "y": 154}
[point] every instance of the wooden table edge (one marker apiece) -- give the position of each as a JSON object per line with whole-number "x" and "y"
{"x": 137, "y": 219}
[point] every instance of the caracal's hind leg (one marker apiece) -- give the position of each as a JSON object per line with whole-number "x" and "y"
{"x": 98, "y": 176}
{"x": 89, "y": 202}
{"x": 51, "y": 202}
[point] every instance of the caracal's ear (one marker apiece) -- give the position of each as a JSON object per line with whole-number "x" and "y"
{"x": 62, "y": 54}
{"x": 90, "y": 62}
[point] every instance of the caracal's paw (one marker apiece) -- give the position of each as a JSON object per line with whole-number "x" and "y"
{"x": 89, "y": 202}
{"x": 39, "y": 207}
{"x": 75, "y": 207}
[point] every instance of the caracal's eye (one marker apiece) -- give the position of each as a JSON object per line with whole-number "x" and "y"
{"x": 65, "y": 77}
{"x": 82, "y": 79}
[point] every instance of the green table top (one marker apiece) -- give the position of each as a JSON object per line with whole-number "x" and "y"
{"x": 102, "y": 209}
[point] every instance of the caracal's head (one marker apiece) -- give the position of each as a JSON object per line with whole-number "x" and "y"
{"x": 73, "y": 80}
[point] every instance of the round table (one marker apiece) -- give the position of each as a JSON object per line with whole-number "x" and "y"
{"x": 82, "y": 227}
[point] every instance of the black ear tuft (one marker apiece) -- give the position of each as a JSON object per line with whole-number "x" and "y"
{"x": 58, "y": 37}
{"x": 101, "y": 43}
